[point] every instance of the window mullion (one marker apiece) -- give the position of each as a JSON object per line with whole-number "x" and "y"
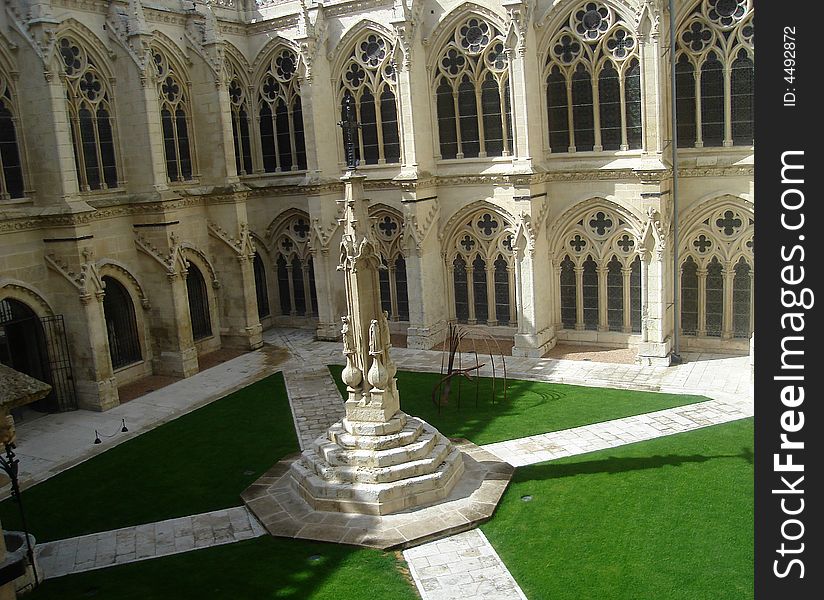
{"x": 596, "y": 109}
{"x": 702, "y": 303}
{"x": 579, "y": 297}
{"x": 273, "y": 110}
{"x": 727, "y": 105}
{"x": 570, "y": 119}
{"x": 479, "y": 113}
{"x": 699, "y": 134}
{"x": 376, "y": 99}
{"x": 625, "y": 273}
{"x": 290, "y": 117}
{"x": 507, "y": 151}
{"x": 470, "y": 291}
{"x": 492, "y": 313}
{"x": 98, "y": 151}
{"x": 623, "y": 97}
{"x": 458, "y": 137}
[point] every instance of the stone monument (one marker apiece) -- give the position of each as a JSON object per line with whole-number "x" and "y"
{"x": 378, "y": 477}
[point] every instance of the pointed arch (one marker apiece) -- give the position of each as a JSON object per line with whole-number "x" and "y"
{"x": 449, "y": 20}
{"x": 117, "y": 270}
{"x": 339, "y": 56}
{"x": 289, "y": 236}
{"x": 27, "y": 294}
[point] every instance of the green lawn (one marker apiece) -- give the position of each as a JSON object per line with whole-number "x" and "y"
{"x": 197, "y": 463}
{"x": 531, "y": 407}
{"x": 667, "y": 518}
{"x": 257, "y": 569}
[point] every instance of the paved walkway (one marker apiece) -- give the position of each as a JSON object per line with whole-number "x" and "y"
{"x": 461, "y": 567}
{"x": 130, "y": 544}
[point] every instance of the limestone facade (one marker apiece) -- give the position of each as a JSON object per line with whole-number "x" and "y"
{"x": 517, "y": 159}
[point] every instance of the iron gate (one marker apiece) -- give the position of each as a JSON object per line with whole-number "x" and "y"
{"x": 60, "y": 364}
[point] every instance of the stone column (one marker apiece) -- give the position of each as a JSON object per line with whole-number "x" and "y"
{"x": 233, "y": 253}
{"x": 535, "y": 282}
{"x": 81, "y": 303}
{"x": 426, "y": 284}
{"x": 164, "y": 275}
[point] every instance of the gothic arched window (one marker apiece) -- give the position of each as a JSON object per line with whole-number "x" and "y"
{"x": 281, "y": 115}
{"x": 241, "y": 118}
{"x": 472, "y": 93}
{"x": 369, "y": 78}
{"x": 600, "y": 274}
{"x": 198, "y": 304}
{"x": 175, "y": 117}
{"x": 261, "y": 290}
{"x": 91, "y": 117}
{"x": 295, "y": 267}
{"x": 482, "y": 265}
{"x": 714, "y": 75}
{"x": 11, "y": 167}
{"x": 121, "y": 324}
{"x": 716, "y": 274}
{"x": 593, "y": 83}
{"x": 387, "y": 227}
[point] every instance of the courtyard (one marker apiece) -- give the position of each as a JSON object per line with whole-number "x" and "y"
{"x": 630, "y": 483}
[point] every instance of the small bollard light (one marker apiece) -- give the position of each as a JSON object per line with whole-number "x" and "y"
{"x": 97, "y": 439}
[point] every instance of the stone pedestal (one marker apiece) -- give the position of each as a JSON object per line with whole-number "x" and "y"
{"x": 377, "y": 461}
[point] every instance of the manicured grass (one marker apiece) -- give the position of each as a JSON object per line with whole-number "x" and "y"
{"x": 197, "y": 463}
{"x": 259, "y": 569}
{"x": 667, "y": 518}
{"x": 530, "y": 408}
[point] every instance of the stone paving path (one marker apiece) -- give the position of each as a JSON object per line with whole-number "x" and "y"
{"x": 611, "y": 434}
{"x": 461, "y": 567}
{"x": 315, "y": 400}
{"x": 130, "y": 544}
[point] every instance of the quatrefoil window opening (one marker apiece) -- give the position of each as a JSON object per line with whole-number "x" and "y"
{"x": 487, "y": 225}
{"x": 301, "y": 228}
{"x": 702, "y": 244}
{"x": 577, "y": 243}
{"x": 387, "y": 226}
{"x": 729, "y": 223}
{"x": 467, "y": 243}
{"x": 600, "y": 224}
{"x": 236, "y": 94}
{"x": 697, "y": 36}
{"x": 626, "y": 243}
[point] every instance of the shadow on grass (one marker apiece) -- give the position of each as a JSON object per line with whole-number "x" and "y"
{"x": 614, "y": 465}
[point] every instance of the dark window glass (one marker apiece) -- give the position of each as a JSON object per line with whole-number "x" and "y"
{"x": 389, "y": 122}
{"x": 569, "y": 294}
{"x": 582, "y": 110}
{"x": 87, "y": 127}
{"x": 385, "y": 288}
{"x": 183, "y": 144}
{"x": 121, "y": 325}
{"x": 632, "y": 99}
{"x": 198, "y": 304}
{"x": 402, "y": 288}
{"x": 501, "y": 291}
{"x": 297, "y": 285}
{"x": 609, "y": 101}
{"x": 169, "y": 144}
{"x": 446, "y": 120}
{"x": 741, "y": 300}
{"x": 245, "y": 140}
{"x": 9, "y": 155}
{"x": 715, "y": 298}
{"x": 508, "y": 109}
{"x": 689, "y": 297}
{"x": 741, "y": 83}
{"x": 635, "y": 296}
{"x": 491, "y": 110}
{"x": 556, "y": 98}
{"x": 283, "y": 287}
{"x": 236, "y": 140}
{"x": 369, "y": 128}
{"x": 712, "y": 101}
{"x": 479, "y": 290}
{"x": 284, "y": 137}
{"x": 261, "y": 291}
{"x": 356, "y": 135}
{"x": 590, "y": 294}
{"x": 297, "y": 124}
{"x": 615, "y": 295}
{"x": 267, "y": 138}
{"x": 104, "y": 131}
{"x": 685, "y": 102}
{"x": 468, "y": 117}
{"x": 313, "y": 292}
{"x": 461, "y": 290}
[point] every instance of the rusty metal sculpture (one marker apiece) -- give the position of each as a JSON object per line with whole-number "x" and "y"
{"x": 457, "y": 333}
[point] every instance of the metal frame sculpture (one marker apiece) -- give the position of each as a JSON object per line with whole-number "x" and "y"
{"x": 456, "y": 334}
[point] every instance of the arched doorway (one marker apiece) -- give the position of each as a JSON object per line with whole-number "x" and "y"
{"x": 121, "y": 325}
{"x": 198, "y": 304}
{"x": 23, "y": 346}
